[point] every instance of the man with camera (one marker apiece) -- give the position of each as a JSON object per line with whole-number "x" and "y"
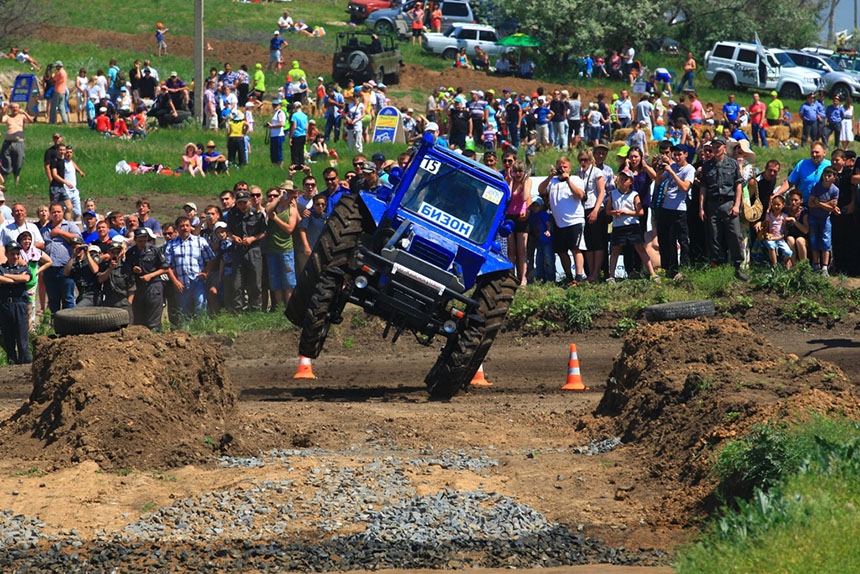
{"x": 82, "y": 268}
{"x": 672, "y": 231}
{"x": 566, "y": 193}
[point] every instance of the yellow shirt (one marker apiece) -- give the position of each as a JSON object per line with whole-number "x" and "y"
{"x": 235, "y": 129}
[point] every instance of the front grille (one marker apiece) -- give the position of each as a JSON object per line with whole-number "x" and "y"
{"x": 431, "y": 253}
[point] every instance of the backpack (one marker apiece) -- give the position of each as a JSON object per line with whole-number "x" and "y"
{"x": 120, "y": 78}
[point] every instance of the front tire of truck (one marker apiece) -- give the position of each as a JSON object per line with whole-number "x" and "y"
{"x": 462, "y": 355}
{"x": 312, "y": 298}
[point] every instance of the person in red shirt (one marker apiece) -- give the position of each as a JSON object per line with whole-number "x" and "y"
{"x": 758, "y": 121}
{"x": 103, "y": 122}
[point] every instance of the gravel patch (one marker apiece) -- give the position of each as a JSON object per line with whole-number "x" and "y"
{"x": 364, "y": 516}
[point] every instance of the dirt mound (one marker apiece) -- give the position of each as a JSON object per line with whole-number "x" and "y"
{"x": 681, "y": 388}
{"x": 132, "y": 399}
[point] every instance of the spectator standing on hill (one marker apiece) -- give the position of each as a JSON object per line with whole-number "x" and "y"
{"x": 731, "y": 111}
{"x": 276, "y": 59}
{"x": 160, "y": 44}
{"x": 13, "y": 150}
{"x": 757, "y": 111}
{"x": 810, "y": 115}
{"x": 60, "y": 99}
{"x": 298, "y": 137}
{"x": 689, "y": 69}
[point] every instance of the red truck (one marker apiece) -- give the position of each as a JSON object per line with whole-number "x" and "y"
{"x": 359, "y": 10}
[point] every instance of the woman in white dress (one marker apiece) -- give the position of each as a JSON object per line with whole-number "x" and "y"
{"x": 846, "y": 133}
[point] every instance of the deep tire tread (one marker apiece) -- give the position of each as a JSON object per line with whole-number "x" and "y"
{"x": 461, "y": 357}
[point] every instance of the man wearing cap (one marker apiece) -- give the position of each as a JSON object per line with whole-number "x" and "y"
{"x": 164, "y": 110}
{"x": 12, "y": 152}
{"x": 366, "y": 180}
{"x": 246, "y": 227}
{"x": 774, "y": 109}
{"x": 147, "y": 264}
{"x": 237, "y": 127}
{"x": 117, "y": 283}
{"x": 89, "y": 232}
{"x": 60, "y": 98}
{"x": 14, "y": 318}
{"x": 276, "y": 59}
{"x": 189, "y": 261}
{"x": 178, "y": 91}
{"x": 719, "y": 206}
{"x": 83, "y": 268}
{"x": 58, "y": 234}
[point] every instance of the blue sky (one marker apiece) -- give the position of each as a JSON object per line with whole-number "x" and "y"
{"x": 844, "y": 17}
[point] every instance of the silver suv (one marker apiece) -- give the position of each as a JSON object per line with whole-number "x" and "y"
{"x": 397, "y": 20}
{"x": 835, "y": 80}
{"x": 740, "y": 64}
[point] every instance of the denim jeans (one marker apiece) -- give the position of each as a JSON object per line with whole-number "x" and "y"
{"x": 60, "y": 289}
{"x": 58, "y": 105}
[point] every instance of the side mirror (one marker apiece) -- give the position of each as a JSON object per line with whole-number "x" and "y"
{"x": 506, "y": 228}
{"x": 395, "y": 176}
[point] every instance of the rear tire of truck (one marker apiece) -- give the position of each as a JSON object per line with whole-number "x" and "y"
{"x": 311, "y": 301}
{"x": 724, "y": 83}
{"x": 461, "y": 357}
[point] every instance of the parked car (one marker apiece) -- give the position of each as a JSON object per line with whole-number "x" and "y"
{"x": 359, "y": 10}
{"x": 835, "y": 80}
{"x": 730, "y": 65}
{"x": 396, "y": 19}
{"x": 464, "y": 35}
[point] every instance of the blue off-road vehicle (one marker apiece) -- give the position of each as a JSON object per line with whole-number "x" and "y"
{"x": 422, "y": 254}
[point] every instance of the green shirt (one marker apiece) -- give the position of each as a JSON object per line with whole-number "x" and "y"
{"x": 774, "y": 110}
{"x": 277, "y": 239}
{"x": 260, "y": 80}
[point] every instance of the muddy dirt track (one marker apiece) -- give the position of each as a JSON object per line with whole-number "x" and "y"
{"x": 369, "y": 398}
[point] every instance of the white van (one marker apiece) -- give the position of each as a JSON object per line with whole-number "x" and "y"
{"x": 730, "y": 65}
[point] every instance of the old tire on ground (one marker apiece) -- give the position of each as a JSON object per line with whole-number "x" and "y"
{"x": 89, "y": 320}
{"x": 459, "y": 360}
{"x": 679, "y": 310}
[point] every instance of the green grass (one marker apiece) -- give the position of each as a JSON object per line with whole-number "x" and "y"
{"x": 799, "y": 511}
{"x": 228, "y": 325}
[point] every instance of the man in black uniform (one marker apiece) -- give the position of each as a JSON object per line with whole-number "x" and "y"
{"x": 116, "y": 283}
{"x": 246, "y": 227}
{"x": 82, "y": 267}
{"x": 147, "y": 264}
{"x": 14, "y": 320}
{"x": 719, "y": 206}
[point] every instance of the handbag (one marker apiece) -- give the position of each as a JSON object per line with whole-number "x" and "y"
{"x": 753, "y": 210}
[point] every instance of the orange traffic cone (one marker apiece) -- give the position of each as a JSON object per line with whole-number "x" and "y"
{"x": 305, "y": 370}
{"x": 478, "y": 380}
{"x": 574, "y": 377}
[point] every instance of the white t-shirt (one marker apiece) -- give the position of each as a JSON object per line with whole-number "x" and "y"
{"x": 11, "y": 231}
{"x": 673, "y": 197}
{"x": 590, "y": 177}
{"x": 71, "y": 175}
{"x": 566, "y": 209}
{"x": 279, "y": 117}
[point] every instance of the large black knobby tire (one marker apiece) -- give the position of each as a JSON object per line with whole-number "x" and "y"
{"x": 335, "y": 245}
{"x": 317, "y": 317}
{"x": 89, "y": 320}
{"x": 459, "y": 360}
{"x": 679, "y": 310}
